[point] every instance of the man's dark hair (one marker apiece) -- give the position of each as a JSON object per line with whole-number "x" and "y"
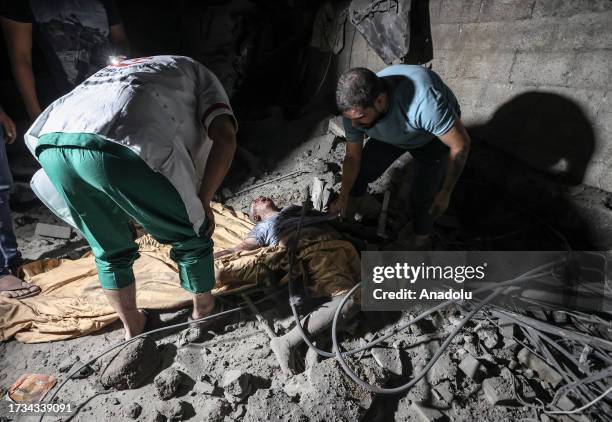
{"x": 358, "y": 87}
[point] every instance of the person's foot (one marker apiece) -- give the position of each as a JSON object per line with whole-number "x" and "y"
{"x": 15, "y": 288}
{"x": 282, "y": 351}
{"x": 137, "y": 325}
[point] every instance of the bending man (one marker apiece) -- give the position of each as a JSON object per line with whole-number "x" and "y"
{"x": 131, "y": 143}
{"x": 403, "y": 108}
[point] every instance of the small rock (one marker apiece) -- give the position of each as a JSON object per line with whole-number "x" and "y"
{"x": 443, "y": 369}
{"x": 168, "y": 382}
{"x": 115, "y": 401}
{"x": 545, "y": 371}
{"x": 489, "y": 337}
{"x": 389, "y": 359}
{"x": 444, "y": 389}
{"x": 471, "y": 367}
{"x": 133, "y": 410}
{"x": 427, "y": 414}
{"x": 215, "y": 409}
{"x": 498, "y": 391}
{"x": 132, "y": 365}
{"x": 204, "y": 387}
{"x": 67, "y": 364}
{"x": 296, "y": 386}
{"x": 174, "y": 410}
{"x": 237, "y": 385}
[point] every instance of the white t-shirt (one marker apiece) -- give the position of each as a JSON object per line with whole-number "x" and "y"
{"x": 160, "y": 107}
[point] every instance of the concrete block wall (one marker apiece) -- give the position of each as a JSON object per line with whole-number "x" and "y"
{"x": 534, "y": 78}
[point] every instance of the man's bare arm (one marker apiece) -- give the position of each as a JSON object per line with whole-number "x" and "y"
{"x": 458, "y": 141}
{"x": 350, "y": 171}
{"x": 18, "y": 37}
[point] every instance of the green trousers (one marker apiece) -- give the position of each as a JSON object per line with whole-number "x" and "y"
{"x": 105, "y": 185}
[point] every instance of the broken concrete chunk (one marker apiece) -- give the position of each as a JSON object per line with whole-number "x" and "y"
{"x": 52, "y": 230}
{"x": 132, "y": 365}
{"x": 168, "y": 382}
{"x": 498, "y": 391}
{"x": 445, "y": 391}
{"x": 67, "y": 364}
{"x": 174, "y": 410}
{"x": 488, "y": 336}
{"x": 545, "y": 371}
{"x": 388, "y": 358}
{"x": 204, "y": 387}
{"x": 336, "y": 127}
{"x": 237, "y": 385}
{"x": 471, "y": 367}
{"x": 443, "y": 369}
{"x": 215, "y": 409}
{"x": 427, "y": 414}
{"x": 296, "y": 386}
{"x": 133, "y": 411}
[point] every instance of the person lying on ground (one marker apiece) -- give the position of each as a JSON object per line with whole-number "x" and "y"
{"x": 275, "y": 227}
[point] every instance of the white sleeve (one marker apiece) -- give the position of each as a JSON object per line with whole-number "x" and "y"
{"x": 212, "y": 99}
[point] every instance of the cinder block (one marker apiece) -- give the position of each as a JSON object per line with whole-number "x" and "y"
{"x": 592, "y": 69}
{"x": 564, "y": 8}
{"x": 506, "y": 10}
{"x": 542, "y": 68}
{"x": 52, "y": 230}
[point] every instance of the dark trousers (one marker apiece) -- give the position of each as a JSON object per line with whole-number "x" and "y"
{"x": 429, "y": 168}
{"x": 9, "y": 254}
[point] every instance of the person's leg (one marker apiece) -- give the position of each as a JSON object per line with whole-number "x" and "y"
{"x": 313, "y": 324}
{"x": 10, "y": 257}
{"x": 151, "y": 200}
{"x": 78, "y": 176}
{"x": 430, "y": 165}
{"x": 376, "y": 158}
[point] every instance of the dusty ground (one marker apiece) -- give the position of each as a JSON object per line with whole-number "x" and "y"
{"x": 233, "y": 375}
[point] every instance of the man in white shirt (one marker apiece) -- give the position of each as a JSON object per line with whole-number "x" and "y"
{"x": 150, "y": 140}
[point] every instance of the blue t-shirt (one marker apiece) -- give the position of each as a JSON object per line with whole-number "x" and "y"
{"x": 421, "y": 107}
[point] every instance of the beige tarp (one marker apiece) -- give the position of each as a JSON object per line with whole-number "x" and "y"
{"x": 73, "y": 304}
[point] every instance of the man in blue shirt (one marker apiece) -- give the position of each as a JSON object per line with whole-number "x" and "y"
{"x": 403, "y": 108}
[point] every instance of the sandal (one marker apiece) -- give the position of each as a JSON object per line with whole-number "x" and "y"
{"x": 11, "y": 286}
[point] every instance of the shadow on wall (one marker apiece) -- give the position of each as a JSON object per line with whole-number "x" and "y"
{"x": 523, "y": 164}
{"x": 546, "y": 131}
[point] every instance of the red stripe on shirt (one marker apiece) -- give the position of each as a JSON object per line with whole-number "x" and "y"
{"x": 212, "y": 108}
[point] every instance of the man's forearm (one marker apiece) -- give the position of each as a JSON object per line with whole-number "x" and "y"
{"x": 219, "y": 162}
{"x": 24, "y": 76}
{"x": 456, "y": 163}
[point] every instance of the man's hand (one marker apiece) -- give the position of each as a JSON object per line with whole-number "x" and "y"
{"x": 210, "y": 218}
{"x": 10, "y": 131}
{"x": 339, "y": 206}
{"x": 439, "y": 205}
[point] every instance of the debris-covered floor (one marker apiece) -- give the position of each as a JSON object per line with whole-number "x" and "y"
{"x": 494, "y": 369}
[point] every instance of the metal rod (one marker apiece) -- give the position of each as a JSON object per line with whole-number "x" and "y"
{"x": 264, "y": 323}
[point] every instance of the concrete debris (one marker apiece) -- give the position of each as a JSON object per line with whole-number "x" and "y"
{"x": 472, "y": 368}
{"x": 488, "y": 336}
{"x": 443, "y": 369}
{"x": 316, "y": 194}
{"x": 168, "y": 382}
{"x": 273, "y": 405}
{"x": 174, "y": 410}
{"x": 132, "y": 365}
{"x": 336, "y": 127}
{"x": 133, "y": 411}
{"x": 445, "y": 392}
{"x": 204, "y": 387}
{"x": 237, "y": 385}
{"x": 296, "y": 385}
{"x": 67, "y": 364}
{"x": 498, "y": 391}
{"x": 53, "y": 230}
{"x": 544, "y": 371}
{"x": 427, "y": 414}
{"x": 215, "y": 409}
{"x": 388, "y": 358}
